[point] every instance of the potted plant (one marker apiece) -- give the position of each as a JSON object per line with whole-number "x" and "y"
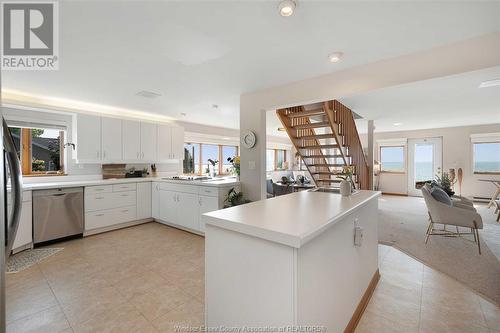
{"x": 445, "y": 182}
{"x": 235, "y": 162}
{"x": 234, "y": 199}
{"x": 346, "y": 183}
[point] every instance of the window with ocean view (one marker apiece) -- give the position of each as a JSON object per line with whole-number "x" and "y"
{"x": 487, "y": 157}
{"x": 392, "y": 159}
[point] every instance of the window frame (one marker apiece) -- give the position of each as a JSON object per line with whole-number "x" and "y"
{"x": 404, "y": 159}
{"x": 275, "y": 164}
{"x": 219, "y": 154}
{"x": 474, "y": 172}
{"x": 26, "y": 155}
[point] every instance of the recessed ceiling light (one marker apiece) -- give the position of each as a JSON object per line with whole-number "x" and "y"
{"x": 490, "y": 83}
{"x": 148, "y": 94}
{"x": 215, "y": 106}
{"x": 398, "y": 124}
{"x": 281, "y": 129}
{"x": 287, "y": 7}
{"x": 183, "y": 114}
{"x": 335, "y": 57}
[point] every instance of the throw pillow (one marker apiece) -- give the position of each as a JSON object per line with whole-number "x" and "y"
{"x": 441, "y": 196}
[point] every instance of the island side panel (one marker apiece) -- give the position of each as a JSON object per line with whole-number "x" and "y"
{"x": 248, "y": 280}
{"x": 333, "y": 273}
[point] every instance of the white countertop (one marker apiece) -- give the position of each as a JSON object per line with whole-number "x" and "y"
{"x": 62, "y": 184}
{"x": 292, "y": 219}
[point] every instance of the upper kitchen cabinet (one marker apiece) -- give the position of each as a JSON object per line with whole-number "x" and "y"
{"x": 111, "y": 133}
{"x": 86, "y": 135}
{"x": 170, "y": 143}
{"x": 131, "y": 139}
{"x": 178, "y": 143}
{"x": 148, "y": 141}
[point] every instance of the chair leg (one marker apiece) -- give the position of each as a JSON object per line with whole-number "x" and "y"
{"x": 429, "y": 230}
{"x": 477, "y": 235}
{"x": 473, "y": 234}
{"x": 458, "y": 231}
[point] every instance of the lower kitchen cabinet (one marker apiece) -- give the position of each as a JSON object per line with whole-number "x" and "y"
{"x": 207, "y": 204}
{"x": 182, "y": 205}
{"x": 24, "y": 235}
{"x": 143, "y": 200}
{"x": 109, "y": 217}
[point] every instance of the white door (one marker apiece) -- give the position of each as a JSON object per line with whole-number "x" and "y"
{"x": 131, "y": 139}
{"x": 187, "y": 214}
{"x": 164, "y": 143}
{"x": 207, "y": 204}
{"x": 148, "y": 142}
{"x": 168, "y": 206}
{"x": 87, "y": 137}
{"x": 144, "y": 200}
{"x": 425, "y": 159}
{"x": 111, "y": 139}
{"x": 177, "y": 143}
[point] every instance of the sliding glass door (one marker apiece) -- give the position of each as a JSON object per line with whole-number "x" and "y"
{"x": 425, "y": 158}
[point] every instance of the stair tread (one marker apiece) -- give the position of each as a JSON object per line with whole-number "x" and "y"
{"x": 319, "y": 146}
{"x": 325, "y": 156}
{"x": 312, "y": 125}
{"x": 316, "y": 136}
{"x": 306, "y": 113}
{"x": 327, "y": 164}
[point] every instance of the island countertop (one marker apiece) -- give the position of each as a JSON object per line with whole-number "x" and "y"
{"x": 292, "y": 219}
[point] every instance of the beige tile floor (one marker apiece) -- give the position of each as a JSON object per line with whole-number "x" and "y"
{"x": 149, "y": 278}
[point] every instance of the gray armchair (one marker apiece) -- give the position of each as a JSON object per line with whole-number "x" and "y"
{"x": 459, "y": 214}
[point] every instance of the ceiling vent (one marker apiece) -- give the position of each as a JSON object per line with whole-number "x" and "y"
{"x": 148, "y": 94}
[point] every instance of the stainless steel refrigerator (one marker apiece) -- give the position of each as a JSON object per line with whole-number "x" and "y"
{"x": 10, "y": 185}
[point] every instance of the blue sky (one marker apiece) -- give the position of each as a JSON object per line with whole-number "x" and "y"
{"x": 487, "y": 152}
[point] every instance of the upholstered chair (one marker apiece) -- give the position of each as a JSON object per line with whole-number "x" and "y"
{"x": 458, "y": 214}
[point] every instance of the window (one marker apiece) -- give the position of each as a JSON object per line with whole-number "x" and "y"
{"x": 392, "y": 159}
{"x": 196, "y": 157}
{"x": 487, "y": 157}
{"x": 275, "y": 159}
{"x": 40, "y": 150}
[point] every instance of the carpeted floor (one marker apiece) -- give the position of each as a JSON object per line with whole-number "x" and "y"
{"x": 402, "y": 224}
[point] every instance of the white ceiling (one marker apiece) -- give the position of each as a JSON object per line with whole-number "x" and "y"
{"x": 200, "y": 53}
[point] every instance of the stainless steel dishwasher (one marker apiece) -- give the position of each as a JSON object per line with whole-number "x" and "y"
{"x": 57, "y": 214}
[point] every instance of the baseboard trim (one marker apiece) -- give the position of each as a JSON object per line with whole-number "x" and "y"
{"x": 115, "y": 227}
{"x": 176, "y": 226}
{"x": 397, "y": 194}
{"x": 360, "y": 309}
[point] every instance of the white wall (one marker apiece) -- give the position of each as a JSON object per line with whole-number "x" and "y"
{"x": 457, "y": 153}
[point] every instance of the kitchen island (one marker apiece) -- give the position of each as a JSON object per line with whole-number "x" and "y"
{"x": 292, "y": 260}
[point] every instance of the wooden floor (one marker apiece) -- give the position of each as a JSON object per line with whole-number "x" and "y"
{"x": 150, "y": 278}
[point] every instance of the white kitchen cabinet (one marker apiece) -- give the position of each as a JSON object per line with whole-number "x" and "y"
{"x": 168, "y": 206}
{"x": 177, "y": 148}
{"x": 111, "y": 129}
{"x": 149, "y": 141}
{"x": 207, "y": 204}
{"x": 24, "y": 235}
{"x": 143, "y": 200}
{"x": 155, "y": 200}
{"x": 131, "y": 139}
{"x": 187, "y": 210}
{"x": 164, "y": 143}
{"x": 86, "y": 135}
{"x": 170, "y": 143}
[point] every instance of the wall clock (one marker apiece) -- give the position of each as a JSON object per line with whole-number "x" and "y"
{"x": 249, "y": 139}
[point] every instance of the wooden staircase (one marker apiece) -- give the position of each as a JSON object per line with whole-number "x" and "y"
{"x": 327, "y": 140}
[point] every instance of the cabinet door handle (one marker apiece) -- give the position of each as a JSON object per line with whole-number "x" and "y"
{"x": 99, "y": 189}
{"x": 99, "y": 214}
{"x": 99, "y": 198}
{"x": 199, "y": 201}
{"x": 104, "y": 154}
{"x": 124, "y": 211}
{"x": 124, "y": 195}
{"x": 97, "y": 154}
